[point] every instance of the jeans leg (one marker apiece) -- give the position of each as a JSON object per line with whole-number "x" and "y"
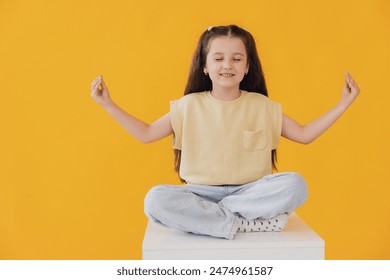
{"x": 268, "y": 197}
{"x": 180, "y": 208}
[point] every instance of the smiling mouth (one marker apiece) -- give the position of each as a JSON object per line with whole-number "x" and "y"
{"x": 226, "y": 75}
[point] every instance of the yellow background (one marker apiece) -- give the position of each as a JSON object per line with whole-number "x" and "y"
{"x": 72, "y": 181}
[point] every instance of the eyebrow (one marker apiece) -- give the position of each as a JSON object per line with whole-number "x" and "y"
{"x": 219, "y": 53}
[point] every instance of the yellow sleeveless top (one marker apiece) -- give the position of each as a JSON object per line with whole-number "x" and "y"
{"x": 225, "y": 142}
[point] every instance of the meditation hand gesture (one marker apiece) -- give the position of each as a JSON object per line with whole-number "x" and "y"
{"x": 99, "y": 92}
{"x": 350, "y": 91}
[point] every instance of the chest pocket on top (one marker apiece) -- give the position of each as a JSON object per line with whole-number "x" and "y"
{"x": 254, "y": 140}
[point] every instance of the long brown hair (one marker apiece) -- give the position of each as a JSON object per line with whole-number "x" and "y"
{"x": 198, "y": 82}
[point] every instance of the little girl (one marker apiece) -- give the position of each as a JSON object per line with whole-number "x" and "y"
{"x": 225, "y": 134}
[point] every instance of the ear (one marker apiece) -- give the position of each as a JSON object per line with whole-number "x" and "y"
{"x": 205, "y": 71}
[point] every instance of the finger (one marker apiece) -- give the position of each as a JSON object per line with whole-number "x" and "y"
{"x": 353, "y": 84}
{"x": 355, "y": 87}
{"x": 96, "y": 82}
{"x": 95, "y": 90}
{"x": 347, "y": 85}
{"x": 351, "y": 78}
{"x": 98, "y": 78}
{"x": 346, "y": 80}
{"x": 350, "y": 81}
{"x": 104, "y": 85}
{"x": 96, "y": 85}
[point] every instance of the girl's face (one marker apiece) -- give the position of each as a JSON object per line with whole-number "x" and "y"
{"x": 226, "y": 62}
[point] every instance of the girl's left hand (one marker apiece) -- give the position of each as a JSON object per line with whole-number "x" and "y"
{"x": 350, "y": 91}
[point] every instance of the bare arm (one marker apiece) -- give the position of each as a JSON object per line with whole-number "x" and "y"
{"x": 311, "y": 131}
{"x": 142, "y": 131}
{"x": 146, "y": 133}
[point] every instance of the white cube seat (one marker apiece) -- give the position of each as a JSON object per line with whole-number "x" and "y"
{"x": 297, "y": 242}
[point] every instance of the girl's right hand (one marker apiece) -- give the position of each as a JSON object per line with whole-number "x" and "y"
{"x": 99, "y": 92}
{"x": 350, "y": 91}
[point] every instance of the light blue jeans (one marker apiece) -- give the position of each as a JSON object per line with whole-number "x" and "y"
{"x": 213, "y": 210}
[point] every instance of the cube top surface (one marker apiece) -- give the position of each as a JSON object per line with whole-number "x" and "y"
{"x": 296, "y": 234}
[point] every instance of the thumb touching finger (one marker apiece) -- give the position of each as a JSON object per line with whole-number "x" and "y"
{"x": 103, "y": 84}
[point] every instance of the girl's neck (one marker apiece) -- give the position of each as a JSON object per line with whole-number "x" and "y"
{"x": 226, "y": 94}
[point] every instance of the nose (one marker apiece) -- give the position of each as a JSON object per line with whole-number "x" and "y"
{"x": 226, "y": 65}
